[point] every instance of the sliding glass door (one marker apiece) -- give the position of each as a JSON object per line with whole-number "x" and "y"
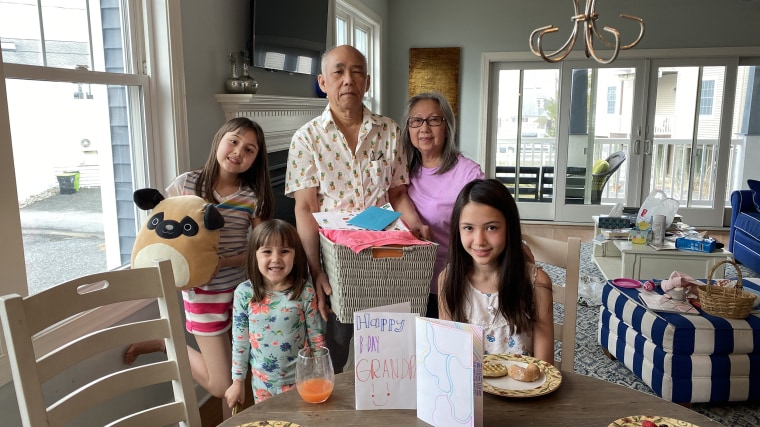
{"x": 613, "y": 133}
{"x": 526, "y": 136}
{"x": 603, "y": 111}
{"x": 687, "y": 148}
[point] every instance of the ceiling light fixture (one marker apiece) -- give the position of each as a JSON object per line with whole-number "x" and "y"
{"x": 588, "y": 21}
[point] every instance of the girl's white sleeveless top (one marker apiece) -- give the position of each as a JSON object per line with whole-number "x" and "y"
{"x": 483, "y": 310}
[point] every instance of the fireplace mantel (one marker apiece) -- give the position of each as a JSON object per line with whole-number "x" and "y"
{"x": 279, "y": 116}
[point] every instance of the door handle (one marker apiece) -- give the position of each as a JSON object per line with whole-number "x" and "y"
{"x": 636, "y": 146}
{"x": 648, "y": 147}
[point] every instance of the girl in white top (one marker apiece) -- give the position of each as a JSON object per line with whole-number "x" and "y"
{"x": 488, "y": 280}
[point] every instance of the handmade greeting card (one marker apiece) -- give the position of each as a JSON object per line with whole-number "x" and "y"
{"x": 384, "y": 357}
{"x": 449, "y": 373}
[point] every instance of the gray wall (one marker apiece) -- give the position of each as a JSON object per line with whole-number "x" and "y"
{"x": 501, "y": 26}
{"x": 212, "y": 29}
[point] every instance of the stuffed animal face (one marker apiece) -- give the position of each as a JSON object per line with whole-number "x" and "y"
{"x": 184, "y": 230}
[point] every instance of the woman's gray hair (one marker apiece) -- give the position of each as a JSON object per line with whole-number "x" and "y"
{"x": 450, "y": 152}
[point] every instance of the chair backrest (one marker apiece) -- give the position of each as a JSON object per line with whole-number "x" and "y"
{"x": 22, "y": 318}
{"x": 546, "y": 190}
{"x": 565, "y": 254}
{"x": 615, "y": 160}
{"x": 527, "y": 180}
{"x": 599, "y": 180}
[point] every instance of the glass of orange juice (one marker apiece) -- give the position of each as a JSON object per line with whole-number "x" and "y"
{"x": 314, "y": 374}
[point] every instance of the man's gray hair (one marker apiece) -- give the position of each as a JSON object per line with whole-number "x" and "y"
{"x": 324, "y": 57}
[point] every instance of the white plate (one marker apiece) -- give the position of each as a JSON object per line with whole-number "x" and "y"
{"x": 548, "y": 381}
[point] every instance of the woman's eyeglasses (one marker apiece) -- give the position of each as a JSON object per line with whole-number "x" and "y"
{"x": 415, "y": 122}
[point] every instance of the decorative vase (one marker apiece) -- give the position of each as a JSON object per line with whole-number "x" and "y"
{"x": 233, "y": 84}
{"x": 250, "y": 85}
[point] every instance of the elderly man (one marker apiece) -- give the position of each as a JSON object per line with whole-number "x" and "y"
{"x": 347, "y": 159}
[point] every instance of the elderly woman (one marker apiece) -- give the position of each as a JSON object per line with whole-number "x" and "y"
{"x": 437, "y": 172}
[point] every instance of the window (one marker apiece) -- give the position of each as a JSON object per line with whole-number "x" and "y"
{"x": 82, "y": 159}
{"x": 359, "y": 27}
{"x": 706, "y": 97}
{"x": 75, "y": 101}
{"x": 611, "y": 99}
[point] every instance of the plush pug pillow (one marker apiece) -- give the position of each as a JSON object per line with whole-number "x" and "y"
{"x": 184, "y": 230}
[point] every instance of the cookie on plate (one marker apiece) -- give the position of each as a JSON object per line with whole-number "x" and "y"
{"x": 494, "y": 369}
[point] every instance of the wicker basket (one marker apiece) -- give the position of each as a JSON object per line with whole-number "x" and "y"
{"x": 377, "y": 276}
{"x": 731, "y": 303}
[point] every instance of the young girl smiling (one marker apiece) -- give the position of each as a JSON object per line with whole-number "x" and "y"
{"x": 488, "y": 280}
{"x": 274, "y": 314}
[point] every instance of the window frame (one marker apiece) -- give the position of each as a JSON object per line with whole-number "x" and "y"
{"x": 706, "y": 98}
{"x": 611, "y": 99}
{"x": 356, "y": 15}
{"x": 157, "y": 60}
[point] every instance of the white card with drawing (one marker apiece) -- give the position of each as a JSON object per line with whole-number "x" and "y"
{"x": 449, "y": 373}
{"x": 384, "y": 357}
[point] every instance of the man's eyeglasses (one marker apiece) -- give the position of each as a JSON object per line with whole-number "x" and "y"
{"x": 415, "y": 122}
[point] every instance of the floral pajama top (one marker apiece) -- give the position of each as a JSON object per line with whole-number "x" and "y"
{"x": 266, "y": 335}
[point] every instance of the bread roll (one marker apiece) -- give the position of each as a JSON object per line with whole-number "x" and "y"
{"x": 527, "y": 374}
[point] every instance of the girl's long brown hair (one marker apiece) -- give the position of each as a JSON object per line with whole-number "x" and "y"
{"x": 515, "y": 289}
{"x": 256, "y": 177}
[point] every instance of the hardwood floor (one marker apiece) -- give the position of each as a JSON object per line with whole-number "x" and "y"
{"x": 211, "y": 411}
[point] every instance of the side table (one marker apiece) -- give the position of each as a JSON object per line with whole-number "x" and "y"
{"x": 621, "y": 258}
{"x": 644, "y": 262}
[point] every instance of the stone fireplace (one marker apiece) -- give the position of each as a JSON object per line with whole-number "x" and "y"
{"x": 280, "y": 117}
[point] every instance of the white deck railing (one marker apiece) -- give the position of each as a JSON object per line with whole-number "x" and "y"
{"x": 675, "y": 163}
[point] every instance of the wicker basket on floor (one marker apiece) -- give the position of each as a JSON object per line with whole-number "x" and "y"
{"x": 731, "y": 303}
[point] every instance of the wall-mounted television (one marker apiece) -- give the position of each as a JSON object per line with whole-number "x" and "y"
{"x": 289, "y": 35}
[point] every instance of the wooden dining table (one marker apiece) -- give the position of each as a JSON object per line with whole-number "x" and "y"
{"x": 579, "y": 401}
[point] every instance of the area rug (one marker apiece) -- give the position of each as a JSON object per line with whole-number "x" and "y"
{"x": 591, "y": 361}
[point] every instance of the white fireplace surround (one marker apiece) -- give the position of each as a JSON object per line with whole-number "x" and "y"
{"x": 279, "y": 116}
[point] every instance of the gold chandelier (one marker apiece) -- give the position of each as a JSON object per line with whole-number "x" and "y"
{"x": 590, "y": 31}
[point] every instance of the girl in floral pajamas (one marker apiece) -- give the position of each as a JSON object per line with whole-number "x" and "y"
{"x": 274, "y": 314}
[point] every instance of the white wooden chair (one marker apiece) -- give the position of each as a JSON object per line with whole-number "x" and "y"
{"x": 40, "y": 405}
{"x": 565, "y": 254}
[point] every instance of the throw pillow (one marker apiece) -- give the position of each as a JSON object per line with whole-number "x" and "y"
{"x": 755, "y": 187}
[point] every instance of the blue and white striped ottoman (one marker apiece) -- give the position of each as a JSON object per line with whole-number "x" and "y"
{"x": 683, "y": 358}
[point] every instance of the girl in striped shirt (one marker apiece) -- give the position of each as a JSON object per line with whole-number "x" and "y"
{"x": 236, "y": 179}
